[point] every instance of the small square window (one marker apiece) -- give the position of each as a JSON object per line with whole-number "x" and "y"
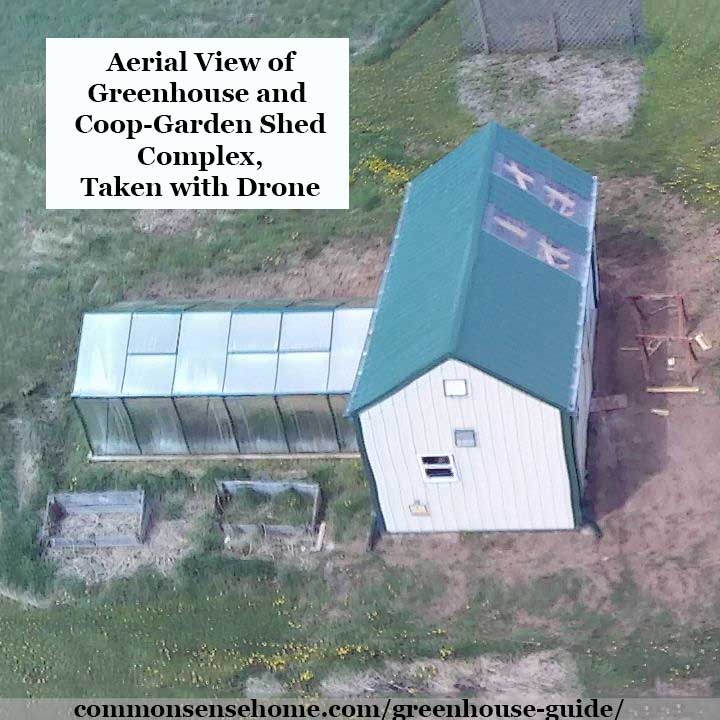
{"x": 455, "y": 388}
{"x": 465, "y": 438}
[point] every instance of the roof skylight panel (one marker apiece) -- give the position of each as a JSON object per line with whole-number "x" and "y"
{"x": 530, "y": 241}
{"x": 557, "y": 197}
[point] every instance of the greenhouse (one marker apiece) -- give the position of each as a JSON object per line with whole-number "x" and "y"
{"x": 210, "y": 379}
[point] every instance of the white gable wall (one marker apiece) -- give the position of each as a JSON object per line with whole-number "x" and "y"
{"x": 514, "y": 479}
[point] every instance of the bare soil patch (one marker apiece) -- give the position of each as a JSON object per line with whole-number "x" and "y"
{"x": 492, "y": 679}
{"x": 27, "y": 459}
{"x": 264, "y": 686}
{"x": 692, "y": 688}
{"x": 653, "y": 480}
{"x": 583, "y": 95}
{"x": 341, "y": 270}
{"x": 167, "y": 222}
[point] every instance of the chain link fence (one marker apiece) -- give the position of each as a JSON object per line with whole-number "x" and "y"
{"x": 491, "y": 26}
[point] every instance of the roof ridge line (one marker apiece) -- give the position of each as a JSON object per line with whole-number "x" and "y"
{"x": 474, "y": 248}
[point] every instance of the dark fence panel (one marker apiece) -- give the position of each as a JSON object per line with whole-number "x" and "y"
{"x": 530, "y": 25}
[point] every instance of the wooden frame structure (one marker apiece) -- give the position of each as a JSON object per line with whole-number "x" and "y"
{"x": 92, "y": 505}
{"x": 651, "y": 340}
{"x": 228, "y": 489}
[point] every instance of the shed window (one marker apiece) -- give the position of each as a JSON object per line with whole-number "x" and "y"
{"x": 455, "y": 388}
{"x": 465, "y": 438}
{"x": 438, "y": 468}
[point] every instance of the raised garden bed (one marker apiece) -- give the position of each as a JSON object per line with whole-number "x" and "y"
{"x": 250, "y": 509}
{"x": 95, "y": 519}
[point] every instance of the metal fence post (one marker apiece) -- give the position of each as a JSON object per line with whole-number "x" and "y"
{"x": 633, "y": 29}
{"x": 483, "y": 27}
{"x": 554, "y": 31}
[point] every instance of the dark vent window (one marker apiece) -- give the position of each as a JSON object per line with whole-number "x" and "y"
{"x": 438, "y": 468}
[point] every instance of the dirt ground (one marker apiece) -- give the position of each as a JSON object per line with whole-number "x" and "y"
{"x": 533, "y": 677}
{"x": 652, "y": 480}
{"x": 342, "y": 270}
{"x": 587, "y": 96}
{"x": 167, "y": 222}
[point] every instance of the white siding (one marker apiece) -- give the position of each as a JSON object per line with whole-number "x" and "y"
{"x": 514, "y": 479}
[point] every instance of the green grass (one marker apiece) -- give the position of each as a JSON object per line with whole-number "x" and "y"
{"x": 55, "y": 265}
{"x": 216, "y": 621}
{"x": 676, "y": 134}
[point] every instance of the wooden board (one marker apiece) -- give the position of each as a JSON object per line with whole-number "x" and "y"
{"x": 674, "y": 389}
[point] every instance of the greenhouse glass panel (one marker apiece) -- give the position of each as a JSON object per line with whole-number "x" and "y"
{"x": 206, "y": 379}
{"x": 302, "y": 372}
{"x": 308, "y": 424}
{"x": 149, "y": 375}
{"x": 306, "y": 331}
{"x": 350, "y": 328}
{"x": 251, "y": 374}
{"x": 345, "y": 429}
{"x": 254, "y": 332}
{"x": 154, "y": 333}
{"x": 202, "y": 351}
{"x": 257, "y": 423}
{"x": 108, "y": 427}
{"x": 207, "y": 425}
{"x": 101, "y": 357}
{"x": 157, "y": 427}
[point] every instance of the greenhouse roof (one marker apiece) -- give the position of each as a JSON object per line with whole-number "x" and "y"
{"x": 220, "y": 349}
{"x": 489, "y": 266}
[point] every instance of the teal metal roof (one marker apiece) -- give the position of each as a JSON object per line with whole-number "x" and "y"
{"x": 489, "y": 266}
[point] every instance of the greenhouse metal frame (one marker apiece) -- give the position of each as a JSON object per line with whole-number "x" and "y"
{"x": 219, "y": 379}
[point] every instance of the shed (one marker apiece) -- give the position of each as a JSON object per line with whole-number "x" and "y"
{"x": 210, "y": 379}
{"x": 472, "y": 397}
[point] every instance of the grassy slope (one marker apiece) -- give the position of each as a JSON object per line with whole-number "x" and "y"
{"x": 679, "y": 116}
{"x": 55, "y": 265}
{"x": 676, "y": 136}
{"x": 147, "y": 637}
